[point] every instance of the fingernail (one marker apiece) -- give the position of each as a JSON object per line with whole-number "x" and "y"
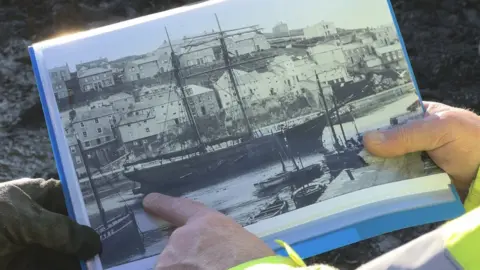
{"x": 375, "y": 137}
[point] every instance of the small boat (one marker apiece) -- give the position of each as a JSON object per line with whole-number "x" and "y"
{"x": 273, "y": 181}
{"x": 346, "y": 158}
{"x": 308, "y": 194}
{"x": 275, "y": 208}
{"x": 286, "y": 178}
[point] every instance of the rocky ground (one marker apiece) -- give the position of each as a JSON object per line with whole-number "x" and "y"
{"x": 441, "y": 36}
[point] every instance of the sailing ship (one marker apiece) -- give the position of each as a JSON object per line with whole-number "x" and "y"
{"x": 200, "y": 166}
{"x": 345, "y": 154}
{"x": 120, "y": 235}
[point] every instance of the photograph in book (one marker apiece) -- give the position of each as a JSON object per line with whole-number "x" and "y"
{"x": 255, "y": 113}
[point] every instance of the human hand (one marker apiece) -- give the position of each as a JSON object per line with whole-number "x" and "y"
{"x": 36, "y": 231}
{"x": 204, "y": 239}
{"x": 449, "y": 135}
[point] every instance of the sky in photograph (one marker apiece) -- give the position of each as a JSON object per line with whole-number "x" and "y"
{"x": 232, "y": 14}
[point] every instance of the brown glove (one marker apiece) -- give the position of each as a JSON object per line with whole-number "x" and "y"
{"x": 35, "y": 231}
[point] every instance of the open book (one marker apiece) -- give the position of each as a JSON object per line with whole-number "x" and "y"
{"x": 255, "y": 108}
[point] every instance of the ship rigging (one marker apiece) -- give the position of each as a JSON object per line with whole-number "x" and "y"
{"x": 204, "y": 164}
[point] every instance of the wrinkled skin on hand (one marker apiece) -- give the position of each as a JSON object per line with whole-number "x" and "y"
{"x": 204, "y": 238}
{"x": 35, "y": 231}
{"x": 449, "y": 135}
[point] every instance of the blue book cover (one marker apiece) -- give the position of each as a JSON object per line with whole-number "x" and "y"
{"x": 255, "y": 108}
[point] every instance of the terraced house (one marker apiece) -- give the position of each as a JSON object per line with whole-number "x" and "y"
{"x": 95, "y": 75}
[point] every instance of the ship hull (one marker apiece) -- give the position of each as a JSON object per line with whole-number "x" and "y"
{"x": 308, "y": 194}
{"x": 308, "y": 137}
{"x": 292, "y": 178}
{"x": 203, "y": 170}
{"x": 176, "y": 178}
{"x": 344, "y": 159}
{"x": 273, "y": 209}
{"x": 120, "y": 240}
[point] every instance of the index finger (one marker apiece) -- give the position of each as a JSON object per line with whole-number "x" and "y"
{"x": 177, "y": 211}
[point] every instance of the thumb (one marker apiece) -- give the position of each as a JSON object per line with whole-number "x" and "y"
{"x": 426, "y": 134}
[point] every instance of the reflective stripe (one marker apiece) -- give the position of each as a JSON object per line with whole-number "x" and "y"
{"x": 463, "y": 234}
{"x": 267, "y": 262}
{"x": 473, "y": 198}
{"x": 450, "y": 247}
{"x": 463, "y": 239}
{"x": 291, "y": 253}
{"x": 424, "y": 253}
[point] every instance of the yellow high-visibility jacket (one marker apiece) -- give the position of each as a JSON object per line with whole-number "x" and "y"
{"x": 453, "y": 246}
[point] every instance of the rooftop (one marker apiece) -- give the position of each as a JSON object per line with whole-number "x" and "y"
{"x": 145, "y": 60}
{"x": 118, "y": 96}
{"x": 159, "y": 88}
{"x": 389, "y": 48}
{"x": 136, "y": 118}
{"x": 140, "y": 106}
{"x": 194, "y": 90}
{"x": 92, "y": 114}
{"x": 238, "y": 73}
{"x": 370, "y": 57}
{"x": 246, "y": 36}
{"x": 92, "y": 64}
{"x": 353, "y": 45}
{"x": 92, "y": 71}
{"x": 158, "y": 98}
{"x": 318, "y": 48}
{"x": 59, "y": 68}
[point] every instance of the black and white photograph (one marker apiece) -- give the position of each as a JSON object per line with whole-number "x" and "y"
{"x": 254, "y": 108}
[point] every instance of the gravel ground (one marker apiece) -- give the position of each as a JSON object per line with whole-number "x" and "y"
{"x": 441, "y": 38}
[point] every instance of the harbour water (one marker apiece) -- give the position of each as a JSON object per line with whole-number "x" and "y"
{"x": 236, "y": 197}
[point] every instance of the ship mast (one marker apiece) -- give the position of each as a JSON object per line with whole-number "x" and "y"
{"x": 327, "y": 114}
{"x": 228, "y": 65}
{"x": 353, "y": 118}
{"x": 92, "y": 185}
{"x": 338, "y": 117}
{"x": 176, "y": 71}
{"x": 226, "y": 58}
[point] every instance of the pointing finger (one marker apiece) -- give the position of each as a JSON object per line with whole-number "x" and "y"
{"x": 177, "y": 211}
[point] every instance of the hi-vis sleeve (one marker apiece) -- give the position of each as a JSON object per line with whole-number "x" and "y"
{"x": 453, "y": 246}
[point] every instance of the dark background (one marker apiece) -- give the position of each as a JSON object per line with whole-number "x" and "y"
{"x": 441, "y": 37}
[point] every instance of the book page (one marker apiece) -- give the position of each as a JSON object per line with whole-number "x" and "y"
{"x": 255, "y": 108}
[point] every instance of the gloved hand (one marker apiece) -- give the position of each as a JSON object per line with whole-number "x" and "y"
{"x": 204, "y": 239}
{"x": 35, "y": 232}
